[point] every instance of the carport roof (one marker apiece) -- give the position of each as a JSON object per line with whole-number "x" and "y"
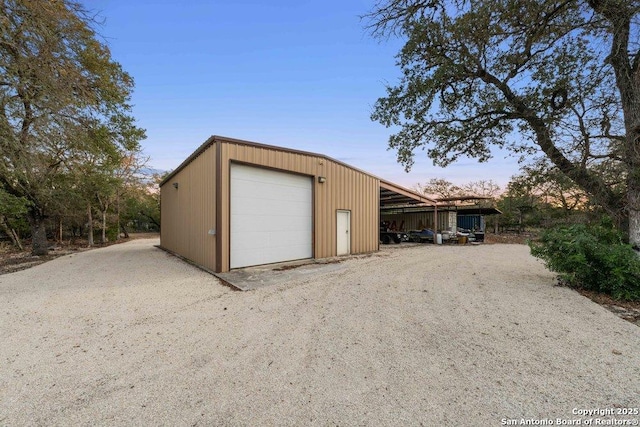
{"x": 462, "y": 210}
{"x": 392, "y": 194}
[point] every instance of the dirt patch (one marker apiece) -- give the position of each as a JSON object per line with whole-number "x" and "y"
{"x": 12, "y": 260}
{"x": 509, "y": 238}
{"x": 627, "y": 310}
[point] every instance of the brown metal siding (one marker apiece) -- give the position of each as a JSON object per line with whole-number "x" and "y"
{"x": 418, "y": 220}
{"x": 345, "y": 188}
{"x": 188, "y": 212}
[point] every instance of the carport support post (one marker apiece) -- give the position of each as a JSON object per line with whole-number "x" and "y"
{"x": 435, "y": 224}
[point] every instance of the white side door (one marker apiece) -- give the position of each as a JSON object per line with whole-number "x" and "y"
{"x": 343, "y": 229}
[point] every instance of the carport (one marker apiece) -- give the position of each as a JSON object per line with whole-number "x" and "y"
{"x": 396, "y": 198}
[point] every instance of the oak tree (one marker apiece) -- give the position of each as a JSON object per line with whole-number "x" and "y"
{"x": 558, "y": 77}
{"x": 59, "y": 88}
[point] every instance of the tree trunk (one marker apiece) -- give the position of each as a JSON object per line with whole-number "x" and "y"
{"x": 150, "y": 218}
{"x": 16, "y": 239}
{"x": 90, "y": 219}
{"x": 621, "y": 15}
{"x": 39, "y": 244}
{"x": 633, "y": 199}
{"x": 124, "y": 231}
{"x": 520, "y": 221}
{"x": 103, "y": 237}
{"x": 11, "y": 233}
{"x": 117, "y": 217}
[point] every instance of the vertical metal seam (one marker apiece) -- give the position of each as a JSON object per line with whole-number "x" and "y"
{"x": 378, "y": 216}
{"x": 218, "y": 206}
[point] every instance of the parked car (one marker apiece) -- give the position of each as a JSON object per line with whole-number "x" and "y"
{"x": 388, "y": 235}
{"x": 421, "y": 236}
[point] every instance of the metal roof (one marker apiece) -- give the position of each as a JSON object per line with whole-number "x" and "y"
{"x": 390, "y": 193}
{"x": 463, "y": 198}
{"x": 462, "y": 210}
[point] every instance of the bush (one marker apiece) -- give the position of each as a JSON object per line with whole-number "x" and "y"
{"x": 591, "y": 257}
{"x": 112, "y": 233}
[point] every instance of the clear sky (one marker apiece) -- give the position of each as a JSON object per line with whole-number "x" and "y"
{"x": 294, "y": 73}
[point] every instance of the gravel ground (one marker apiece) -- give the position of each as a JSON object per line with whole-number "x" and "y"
{"x": 438, "y": 336}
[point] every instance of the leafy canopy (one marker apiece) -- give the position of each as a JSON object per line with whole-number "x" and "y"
{"x": 65, "y": 117}
{"x": 62, "y": 97}
{"x": 527, "y": 75}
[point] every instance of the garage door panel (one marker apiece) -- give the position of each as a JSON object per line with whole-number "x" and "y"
{"x": 258, "y": 188}
{"x": 296, "y": 224}
{"x": 258, "y": 223}
{"x": 266, "y": 177}
{"x": 264, "y": 245}
{"x": 271, "y": 216}
{"x": 256, "y": 256}
{"x": 251, "y": 191}
{"x": 268, "y": 207}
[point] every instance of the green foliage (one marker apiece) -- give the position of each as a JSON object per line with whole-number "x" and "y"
{"x": 112, "y": 234}
{"x": 13, "y": 210}
{"x": 12, "y": 206}
{"x": 591, "y": 257}
{"x": 140, "y": 208}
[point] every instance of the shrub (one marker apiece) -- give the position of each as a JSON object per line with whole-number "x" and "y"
{"x": 112, "y": 233}
{"x": 591, "y": 257}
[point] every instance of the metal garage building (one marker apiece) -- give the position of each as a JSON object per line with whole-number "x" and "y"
{"x": 236, "y": 203}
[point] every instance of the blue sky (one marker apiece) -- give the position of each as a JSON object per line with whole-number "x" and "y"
{"x": 299, "y": 74}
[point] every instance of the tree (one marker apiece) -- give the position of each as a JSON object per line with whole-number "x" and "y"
{"x": 482, "y": 188}
{"x": 141, "y": 205}
{"x": 438, "y": 188}
{"x": 519, "y": 204}
{"x": 563, "y": 74}
{"x": 552, "y": 186}
{"x": 61, "y": 95}
{"x": 131, "y": 177}
{"x": 11, "y": 209}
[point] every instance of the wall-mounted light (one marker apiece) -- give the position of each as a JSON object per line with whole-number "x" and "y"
{"x": 322, "y": 179}
{"x": 175, "y": 185}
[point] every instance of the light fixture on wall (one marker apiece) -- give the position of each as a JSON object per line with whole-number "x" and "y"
{"x": 322, "y": 179}
{"x": 175, "y": 185}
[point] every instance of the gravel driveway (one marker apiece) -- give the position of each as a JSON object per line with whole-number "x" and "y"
{"x": 438, "y": 336}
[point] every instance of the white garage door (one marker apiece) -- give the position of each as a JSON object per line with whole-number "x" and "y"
{"x": 270, "y": 216}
